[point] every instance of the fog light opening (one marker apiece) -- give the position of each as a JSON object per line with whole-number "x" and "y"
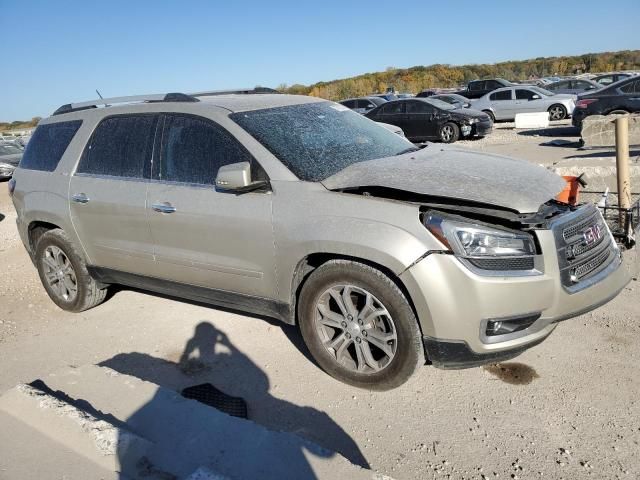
{"x": 504, "y": 326}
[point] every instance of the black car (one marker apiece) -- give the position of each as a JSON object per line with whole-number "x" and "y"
{"x": 620, "y": 97}
{"x": 479, "y": 88}
{"x": 424, "y": 119}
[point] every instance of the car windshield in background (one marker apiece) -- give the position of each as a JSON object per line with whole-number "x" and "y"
{"x": 317, "y": 140}
{"x": 9, "y": 150}
{"x": 542, "y": 91}
{"x": 442, "y": 105}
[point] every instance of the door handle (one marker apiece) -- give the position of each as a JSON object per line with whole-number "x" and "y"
{"x": 165, "y": 207}
{"x": 80, "y": 198}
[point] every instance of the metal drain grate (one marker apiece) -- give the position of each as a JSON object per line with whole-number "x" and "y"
{"x": 210, "y": 395}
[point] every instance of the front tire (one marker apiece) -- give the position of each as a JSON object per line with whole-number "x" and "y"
{"x": 64, "y": 274}
{"x": 557, "y": 112}
{"x": 359, "y": 326}
{"x": 449, "y": 132}
{"x": 491, "y": 115}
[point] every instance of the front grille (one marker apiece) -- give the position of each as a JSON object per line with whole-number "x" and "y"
{"x": 584, "y": 245}
{"x": 502, "y": 264}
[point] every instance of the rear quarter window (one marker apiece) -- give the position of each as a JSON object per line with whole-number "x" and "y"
{"x": 48, "y": 144}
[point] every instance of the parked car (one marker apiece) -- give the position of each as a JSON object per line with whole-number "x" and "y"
{"x": 424, "y": 119}
{"x": 392, "y": 128}
{"x": 405, "y": 95}
{"x": 386, "y": 96}
{"x": 363, "y": 104}
{"x": 609, "y": 78}
{"x": 426, "y": 93}
{"x": 620, "y": 97}
{"x": 479, "y": 88}
{"x": 386, "y": 256}
{"x": 573, "y": 86}
{"x": 505, "y": 103}
{"x": 10, "y": 156}
{"x": 454, "y": 99}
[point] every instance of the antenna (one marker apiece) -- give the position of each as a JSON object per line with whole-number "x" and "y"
{"x": 101, "y": 97}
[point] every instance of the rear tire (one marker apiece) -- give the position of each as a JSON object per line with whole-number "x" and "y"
{"x": 491, "y": 115}
{"x": 64, "y": 274}
{"x": 359, "y": 326}
{"x": 557, "y": 112}
{"x": 449, "y": 132}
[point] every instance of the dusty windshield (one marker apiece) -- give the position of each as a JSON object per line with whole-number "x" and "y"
{"x": 317, "y": 140}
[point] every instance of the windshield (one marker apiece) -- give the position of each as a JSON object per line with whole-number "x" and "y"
{"x": 317, "y": 140}
{"x": 439, "y": 103}
{"x": 542, "y": 91}
{"x": 9, "y": 150}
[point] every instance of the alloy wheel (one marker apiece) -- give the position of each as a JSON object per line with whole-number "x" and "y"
{"x": 356, "y": 329}
{"x": 59, "y": 274}
{"x": 556, "y": 113}
{"x": 447, "y": 133}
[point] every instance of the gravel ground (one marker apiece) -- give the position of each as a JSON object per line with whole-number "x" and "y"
{"x": 566, "y": 409}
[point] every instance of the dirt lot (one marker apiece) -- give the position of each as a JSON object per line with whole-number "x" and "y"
{"x": 568, "y": 408}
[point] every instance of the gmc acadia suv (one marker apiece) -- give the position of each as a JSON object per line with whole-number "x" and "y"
{"x": 386, "y": 256}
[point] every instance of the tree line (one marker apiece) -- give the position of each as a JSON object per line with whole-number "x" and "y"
{"x": 418, "y": 78}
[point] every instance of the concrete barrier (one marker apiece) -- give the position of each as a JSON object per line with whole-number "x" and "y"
{"x": 532, "y": 120}
{"x": 599, "y": 131}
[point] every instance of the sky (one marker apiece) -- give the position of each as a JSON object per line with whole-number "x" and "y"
{"x": 57, "y": 52}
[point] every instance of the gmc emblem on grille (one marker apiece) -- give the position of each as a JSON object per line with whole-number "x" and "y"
{"x": 592, "y": 234}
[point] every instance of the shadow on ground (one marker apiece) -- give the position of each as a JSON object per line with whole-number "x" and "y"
{"x": 210, "y": 357}
{"x": 562, "y": 131}
{"x": 609, "y": 153}
{"x": 2, "y": 217}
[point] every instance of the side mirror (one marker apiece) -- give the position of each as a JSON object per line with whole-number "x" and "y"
{"x": 236, "y": 177}
{"x": 535, "y": 97}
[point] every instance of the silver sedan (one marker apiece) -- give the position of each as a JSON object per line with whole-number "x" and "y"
{"x": 505, "y": 103}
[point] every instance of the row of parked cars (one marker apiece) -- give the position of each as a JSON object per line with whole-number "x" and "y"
{"x": 471, "y": 112}
{"x": 11, "y": 150}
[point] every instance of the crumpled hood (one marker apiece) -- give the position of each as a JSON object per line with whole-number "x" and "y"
{"x": 456, "y": 173}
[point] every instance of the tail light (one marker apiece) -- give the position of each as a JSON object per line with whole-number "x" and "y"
{"x": 585, "y": 102}
{"x": 12, "y": 186}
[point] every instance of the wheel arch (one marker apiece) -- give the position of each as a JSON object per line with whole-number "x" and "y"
{"x": 35, "y": 230}
{"x": 312, "y": 261}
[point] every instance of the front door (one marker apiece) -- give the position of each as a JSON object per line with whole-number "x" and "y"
{"x": 202, "y": 236}
{"x": 107, "y": 194}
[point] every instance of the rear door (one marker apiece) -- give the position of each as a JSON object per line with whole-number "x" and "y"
{"x": 393, "y": 113}
{"x": 420, "y": 124}
{"x": 107, "y": 194}
{"x": 502, "y": 104}
{"x": 201, "y": 236}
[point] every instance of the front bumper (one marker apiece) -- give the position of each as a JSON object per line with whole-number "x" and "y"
{"x": 453, "y": 304}
{"x": 481, "y": 129}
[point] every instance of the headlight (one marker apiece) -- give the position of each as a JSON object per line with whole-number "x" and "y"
{"x": 483, "y": 247}
{"x": 472, "y": 120}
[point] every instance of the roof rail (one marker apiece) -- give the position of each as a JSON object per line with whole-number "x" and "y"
{"x": 160, "y": 97}
{"x": 238, "y": 91}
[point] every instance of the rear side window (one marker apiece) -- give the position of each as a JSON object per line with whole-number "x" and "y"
{"x": 631, "y": 87}
{"x": 503, "y": 95}
{"x": 120, "y": 146}
{"x": 48, "y": 144}
{"x": 194, "y": 149}
{"x": 392, "y": 108}
{"x": 476, "y": 86}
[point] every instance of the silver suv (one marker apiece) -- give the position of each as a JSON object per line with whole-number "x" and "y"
{"x": 385, "y": 255}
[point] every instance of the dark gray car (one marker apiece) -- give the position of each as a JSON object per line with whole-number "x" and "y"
{"x": 573, "y": 86}
{"x": 10, "y": 156}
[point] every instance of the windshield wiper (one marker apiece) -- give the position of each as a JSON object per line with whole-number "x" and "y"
{"x": 407, "y": 150}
